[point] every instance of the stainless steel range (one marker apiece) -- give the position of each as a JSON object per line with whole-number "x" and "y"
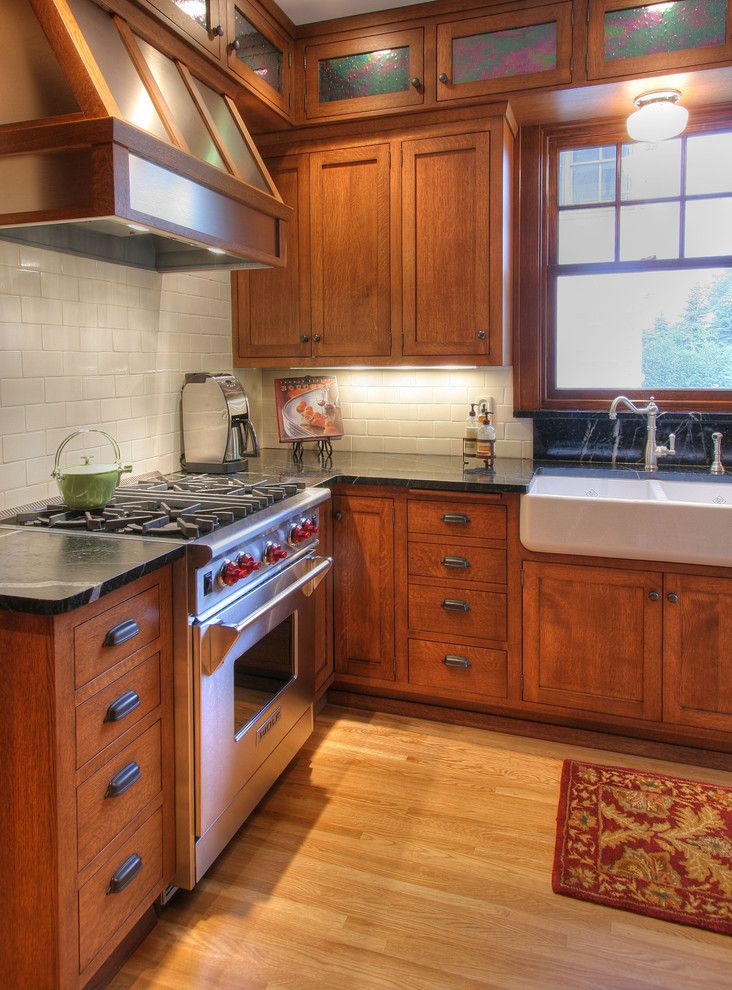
{"x": 244, "y": 627}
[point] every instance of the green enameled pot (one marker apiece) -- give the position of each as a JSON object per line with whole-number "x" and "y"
{"x": 87, "y": 485}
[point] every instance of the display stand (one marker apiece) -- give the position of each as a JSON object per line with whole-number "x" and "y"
{"x": 323, "y": 446}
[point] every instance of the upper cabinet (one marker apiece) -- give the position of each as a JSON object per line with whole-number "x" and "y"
{"x": 260, "y": 53}
{"x": 202, "y": 20}
{"x": 399, "y": 249}
{"x": 510, "y": 51}
{"x": 376, "y": 72}
{"x": 626, "y": 37}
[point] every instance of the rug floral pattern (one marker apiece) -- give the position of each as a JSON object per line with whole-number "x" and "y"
{"x": 644, "y": 842}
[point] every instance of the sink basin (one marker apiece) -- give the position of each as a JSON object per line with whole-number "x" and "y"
{"x": 638, "y": 518}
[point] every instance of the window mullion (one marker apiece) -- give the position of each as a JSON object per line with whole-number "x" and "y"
{"x": 682, "y": 201}
{"x": 618, "y": 153}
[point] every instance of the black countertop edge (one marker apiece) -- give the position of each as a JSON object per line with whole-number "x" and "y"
{"x": 485, "y": 485}
{"x": 59, "y": 606}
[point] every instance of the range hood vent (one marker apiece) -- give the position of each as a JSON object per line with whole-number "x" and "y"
{"x": 113, "y": 149}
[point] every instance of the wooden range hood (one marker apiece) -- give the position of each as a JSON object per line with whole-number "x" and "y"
{"x": 113, "y": 150}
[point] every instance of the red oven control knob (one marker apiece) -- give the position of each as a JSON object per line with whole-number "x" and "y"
{"x": 311, "y": 526}
{"x": 230, "y": 573}
{"x": 298, "y": 534}
{"x": 273, "y": 553}
{"x": 247, "y": 564}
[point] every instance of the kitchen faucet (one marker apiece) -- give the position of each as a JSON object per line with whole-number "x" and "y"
{"x": 653, "y": 452}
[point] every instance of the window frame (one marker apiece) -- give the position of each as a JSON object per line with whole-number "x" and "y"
{"x": 535, "y": 342}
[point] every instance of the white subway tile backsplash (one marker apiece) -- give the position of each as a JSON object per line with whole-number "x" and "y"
{"x": 62, "y": 389}
{"x": 23, "y": 446}
{"x": 21, "y": 392}
{"x": 58, "y": 338}
{"x": 39, "y": 364}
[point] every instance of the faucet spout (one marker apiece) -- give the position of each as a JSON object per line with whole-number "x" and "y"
{"x": 650, "y": 411}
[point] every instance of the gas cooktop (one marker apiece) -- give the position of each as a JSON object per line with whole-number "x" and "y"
{"x": 179, "y": 507}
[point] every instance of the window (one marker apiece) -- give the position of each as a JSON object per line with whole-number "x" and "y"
{"x": 641, "y": 272}
{"x": 634, "y": 287}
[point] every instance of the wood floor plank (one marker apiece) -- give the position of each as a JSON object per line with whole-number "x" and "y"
{"x": 397, "y": 854}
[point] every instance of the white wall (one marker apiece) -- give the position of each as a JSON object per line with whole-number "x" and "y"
{"x": 86, "y": 343}
{"x": 413, "y": 411}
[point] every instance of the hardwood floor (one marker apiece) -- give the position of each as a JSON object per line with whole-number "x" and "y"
{"x": 397, "y": 854}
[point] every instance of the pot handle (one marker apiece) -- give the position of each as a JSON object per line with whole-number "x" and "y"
{"x": 56, "y": 473}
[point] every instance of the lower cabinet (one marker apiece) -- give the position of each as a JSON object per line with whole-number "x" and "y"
{"x": 652, "y": 645}
{"x": 592, "y": 639}
{"x": 87, "y": 781}
{"x": 363, "y": 550}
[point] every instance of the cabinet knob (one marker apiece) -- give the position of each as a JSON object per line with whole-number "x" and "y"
{"x": 416, "y": 82}
{"x": 443, "y": 78}
{"x": 316, "y": 338}
{"x": 338, "y": 515}
{"x": 304, "y": 338}
{"x": 218, "y": 31}
{"x": 654, "y": 596}
{"x": 672, "y": 597}
{"x": 235, "y": 45}
{"x": 481, "y": 334}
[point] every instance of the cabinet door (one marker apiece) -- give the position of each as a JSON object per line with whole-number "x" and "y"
{"x": 202, "y": 20}
{"x": 272, "y": 305}
{"x": 349, "y": 237}
{"x": 446, "y": 262}
{"x": 260, "y": 53}
{"x": 592, "y": 639}
{"x": 501, "y": 52}
{"x": 697, "y": 674}
{"x": 626, "y": 37}
{"x": 324, "y": 609}
{"x": 363, "y": 544}
{"x": 378, "y": 72}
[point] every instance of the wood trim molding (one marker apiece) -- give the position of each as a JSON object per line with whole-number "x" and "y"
{"x": 208, "y": 120}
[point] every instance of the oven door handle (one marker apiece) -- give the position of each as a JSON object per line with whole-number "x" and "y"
{"x": 224, "y": 636}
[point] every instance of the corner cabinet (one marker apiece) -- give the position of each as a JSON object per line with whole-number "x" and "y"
{"x": 377, "y": 227}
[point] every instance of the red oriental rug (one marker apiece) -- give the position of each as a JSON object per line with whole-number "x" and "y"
{"x": 644, "y": 842}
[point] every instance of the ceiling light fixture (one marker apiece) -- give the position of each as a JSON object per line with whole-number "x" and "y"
{"x": 659, "y": 116}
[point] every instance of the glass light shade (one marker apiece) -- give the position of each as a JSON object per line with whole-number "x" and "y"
{"x": 658, "y": 120}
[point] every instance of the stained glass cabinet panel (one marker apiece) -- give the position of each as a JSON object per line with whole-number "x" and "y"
{"x": 202, "y": 20}
{"x": 631, "y": 36}
{"x": 504, "y": 52}
{"x": 376, "y": 72}
{"x": 260, "y": 54}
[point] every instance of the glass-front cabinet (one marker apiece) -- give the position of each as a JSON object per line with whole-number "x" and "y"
{"x": 500, "y": 52}
{"x": 260, "y": 53}
{"x": 377, "y": 72}
{"x": 202, "y": 20}
{"x": 632, "y": 36}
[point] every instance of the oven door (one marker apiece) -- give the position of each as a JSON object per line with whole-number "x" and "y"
{"x": 254, "y": 682}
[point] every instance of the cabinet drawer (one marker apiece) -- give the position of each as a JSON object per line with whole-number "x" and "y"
{"x": 460, "y": 611}
{"x": 446, "y": 560}
{"x": 111, "y": 636}
{"x": 455, "y": 519}
{"x": 458, "y": 669}
{"x": 101, "y": 814}
{"x": 115, "y": 709}
{"x": 101, "y": 912}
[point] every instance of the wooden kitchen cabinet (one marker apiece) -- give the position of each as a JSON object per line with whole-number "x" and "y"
{"x": 87, "y": 777}
{"x": 271, "y": 306}
{"x": 382, "y": 71}
{"x": 364, "y": 586}
{"x": 202, "y": 21}
{"x": 629, "y": 37}
{"x": 592, "y": 639}
{"x": 697, "y": 651}
{"x": 260, "y": 53}
{"x": 518, "y": 50}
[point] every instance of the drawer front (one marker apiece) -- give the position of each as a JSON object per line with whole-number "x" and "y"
{"x": 101, "y": 912}
{"x": 458, "y": 669}
{"x": 455, "y": 560}
{"x": 103, "y": 813}
{"x": 111, "y": 636}
{"x": 441, "y": 610}
{"x": 455, "y": 519}
{"x": 115, "y": 709}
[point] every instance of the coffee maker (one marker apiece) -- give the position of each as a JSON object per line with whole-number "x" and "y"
{"x": 218, "y": 434}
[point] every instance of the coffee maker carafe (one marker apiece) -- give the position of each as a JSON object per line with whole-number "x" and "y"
{"x": 218, "y": 434}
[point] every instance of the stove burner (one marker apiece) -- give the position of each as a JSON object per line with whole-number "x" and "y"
{"x": 146, "y": 517}
{"x": 268, "y": 492}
